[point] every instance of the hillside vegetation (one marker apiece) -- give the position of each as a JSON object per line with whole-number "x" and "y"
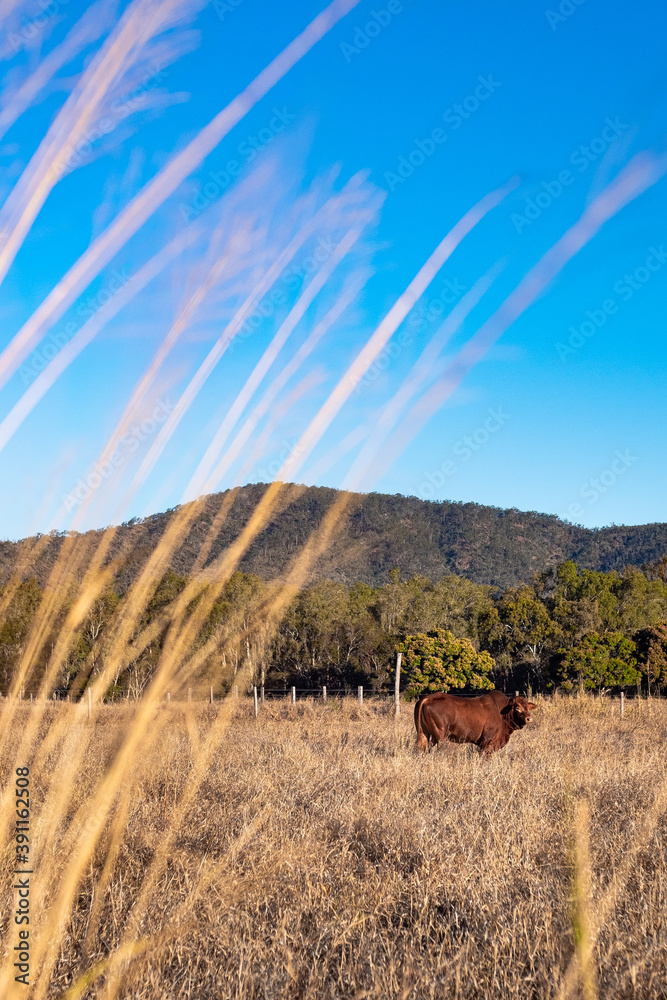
{"x": 485, "y": 544}
{"x": 565, "y": 626}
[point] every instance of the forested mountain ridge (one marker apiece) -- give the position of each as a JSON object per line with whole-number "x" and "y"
{"x": 487, "y": 545}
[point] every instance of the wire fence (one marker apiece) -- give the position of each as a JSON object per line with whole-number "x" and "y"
{"x": 327, "y": 692}
{"x": 260, "y": 695}
{"x": 296, "y": 693}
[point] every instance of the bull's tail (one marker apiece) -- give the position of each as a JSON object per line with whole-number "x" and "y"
{"x": 422, "y": 740}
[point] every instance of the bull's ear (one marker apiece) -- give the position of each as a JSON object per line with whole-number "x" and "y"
{"x": 531, "y": 706}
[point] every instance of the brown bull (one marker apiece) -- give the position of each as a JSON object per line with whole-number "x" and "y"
{"x": 488, "y": 721}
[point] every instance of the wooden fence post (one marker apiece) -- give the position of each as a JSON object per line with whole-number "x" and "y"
{"x": 324, "y": 692}
{"x": 622, "y": 703}
{"x": 254, "y": 695}
{"x": 360, "y": 694}
{"x": 211, "y": 694}
{"x": 294, "y": 696}
{"x": 397, "y": 686}
{"x": 261, "y": 695}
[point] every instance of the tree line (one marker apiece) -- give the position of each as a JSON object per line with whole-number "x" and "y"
{"x": 568, "y": 628}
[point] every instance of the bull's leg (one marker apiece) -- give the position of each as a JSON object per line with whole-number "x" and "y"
{"x": 440, "y": 735}
{"x": 488, "y": 744}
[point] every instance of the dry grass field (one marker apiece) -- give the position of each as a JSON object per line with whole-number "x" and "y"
{"x": 312, "y": 853}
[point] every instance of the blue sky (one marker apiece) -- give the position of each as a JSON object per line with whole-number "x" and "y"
{"x": 564, "y": 414}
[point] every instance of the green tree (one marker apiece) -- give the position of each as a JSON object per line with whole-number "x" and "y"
{"x": 236, "y": 628}
{"x": 580, "y": 603}
{"x": 330, "y": 633}
{"x": 168, "y": 589}
{"x": 529, "y": 632}
{"x": 393, "y": 601}
{"x": 438, "y": 661}
{"x": 453, "y": 603}
{"x": 15, "y": 626}
{"x": 652, "y": 654}
{"x": 600, "y": 661}
{"x": 86, "y": 648}
{"x": 641, "y": 602}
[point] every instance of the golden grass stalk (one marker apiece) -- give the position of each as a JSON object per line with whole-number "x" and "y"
{"x": 210, "y": 471}
{"x": 602, "y": 912}
{"x": 320, "y": 857}
{"x": 640, "y": 174}
{"x": 142, "y": 591}
{"x": 160, "y": 187}
{"x": 124, "y": 954}
{"x": 201, "y": 765}
{"x": 350, "y": 292}
{"x": 83, "y": 337}
{"x": 329, "y": 210}
{"x": 581, "y": 901}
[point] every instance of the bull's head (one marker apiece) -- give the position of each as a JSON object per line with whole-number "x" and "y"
{"x": 517, "y": 711}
